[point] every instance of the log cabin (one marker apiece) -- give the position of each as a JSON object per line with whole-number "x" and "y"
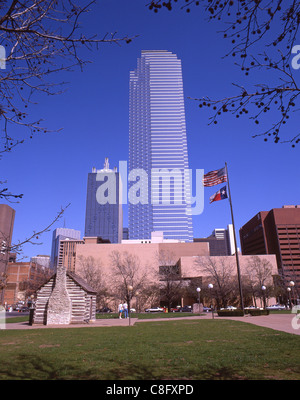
{"x": 64, "y": 299}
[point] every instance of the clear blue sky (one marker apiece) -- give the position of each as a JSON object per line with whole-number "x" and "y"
{"x": 51, "y": 169}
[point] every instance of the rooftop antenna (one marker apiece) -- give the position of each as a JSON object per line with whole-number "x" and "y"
{"x": 106, "y": 164}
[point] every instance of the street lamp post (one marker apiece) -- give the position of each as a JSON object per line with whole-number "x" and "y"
{"x": 199, "y": 290}
{"x": 292, "y": 284}
{"x": 263, "y": 288}
{"x": 130, "y": 288}
{"x": 289, "y": 292}
{"x": 137, "y": 300}
{"x": 31, "y": 310}
{"x": 210, "y": 287}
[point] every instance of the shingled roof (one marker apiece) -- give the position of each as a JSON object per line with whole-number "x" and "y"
{"x": 81, "y": 282}
{"x": 76, "y": 278}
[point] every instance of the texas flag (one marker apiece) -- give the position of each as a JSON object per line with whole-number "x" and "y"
{"x": 219, "y": 195}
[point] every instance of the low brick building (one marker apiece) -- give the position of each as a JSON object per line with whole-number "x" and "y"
{"x": 21, "y": 276}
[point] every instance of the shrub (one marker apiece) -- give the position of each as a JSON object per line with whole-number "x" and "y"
{"x": 230, "y": 313}
{"x": 256, "y": 312}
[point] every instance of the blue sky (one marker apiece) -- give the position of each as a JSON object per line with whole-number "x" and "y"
{"x": 51, "y": 169}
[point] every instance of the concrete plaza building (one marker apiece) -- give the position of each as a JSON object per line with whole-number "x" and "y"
{"x": 150, "y": 256}
{"x": 158, "y": 148}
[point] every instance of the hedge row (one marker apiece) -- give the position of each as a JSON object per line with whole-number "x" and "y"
{"x": 240, "y": 313}
{"x": 256, "y": 312}
{"x": 230, "y": 313}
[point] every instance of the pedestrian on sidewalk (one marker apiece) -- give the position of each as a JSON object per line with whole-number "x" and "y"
{"x": 120, "y": 309}
{"x": 125, "y": 310}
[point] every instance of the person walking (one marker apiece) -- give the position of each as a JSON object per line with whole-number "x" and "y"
{"x": 120, "y": 309}
{"x": 125, "y": 310}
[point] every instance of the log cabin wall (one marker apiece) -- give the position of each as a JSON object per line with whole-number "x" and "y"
{"x": 43, "y": 294}
{"x": 83, "y": 302}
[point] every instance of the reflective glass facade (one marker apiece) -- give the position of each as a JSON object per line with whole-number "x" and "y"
{"x": 104, "y": 214}
{"x": 158, "y": 146}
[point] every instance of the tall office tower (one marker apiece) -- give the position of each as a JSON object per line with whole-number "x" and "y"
{"x": 221, "y": 242}
{"x": 7, "y": 218}
{"x": 158, "y": 146}
{"x": 276, "y": 232}
{"x": 60, "y": 234}
{"x": 104, "y": 213}
{"x": 42, "y": 260}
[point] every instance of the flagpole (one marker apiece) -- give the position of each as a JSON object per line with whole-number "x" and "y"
{"x": 235, "y": 245}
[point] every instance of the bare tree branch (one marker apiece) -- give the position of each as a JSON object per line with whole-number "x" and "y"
{"x": 41, "y": 38}
{"x": 249, "y": 26}
{"x": 32, "y": 239}
{"x": 127, "y": 271}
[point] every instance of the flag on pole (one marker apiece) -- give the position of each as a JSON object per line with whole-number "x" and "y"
{"x": 215, "y": 177}
{"x": 219, "y": 195}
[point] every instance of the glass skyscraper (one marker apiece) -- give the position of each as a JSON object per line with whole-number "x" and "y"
{"x": 104, "y": 213}
{"x": 158, "y": 146}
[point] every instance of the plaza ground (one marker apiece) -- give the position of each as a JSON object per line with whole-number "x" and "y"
{"x": 189, "y": 348}
{"x": 281, "y": 322}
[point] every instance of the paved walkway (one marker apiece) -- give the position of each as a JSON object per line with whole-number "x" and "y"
{"x": 96, "y": 323}
{"x": 279, "y": 322}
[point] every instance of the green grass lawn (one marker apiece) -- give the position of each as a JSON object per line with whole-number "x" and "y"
{"x": 200, "y": 349}
{"x": 148, "y": 315}
{"x": 21, "y": 318}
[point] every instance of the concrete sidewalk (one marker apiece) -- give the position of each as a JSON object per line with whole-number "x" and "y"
{"x": 279, "y": 322}
{"x": 95, "y": 324}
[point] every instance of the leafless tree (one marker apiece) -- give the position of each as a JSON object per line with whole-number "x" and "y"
{"x": 259, "y": 275}
{"x": 6, "y": 247}
{"x": 91, "y": 270}
{"x": 149, "y": 296}
{"x": 219, "y": 272}
{"x": 7, "y": 195}
{"x": 170, "y": 280}
{"x": 282, "y": 285}
{"x": 33, "y": 238}
{"x": 263, "y": 36}
{"x": 190, "y": 290}
{"x": 38, "y": 276}
{"x": 3, "y": 281}
{"x": 40, "y": 38}
{"x": 128, "y": 276}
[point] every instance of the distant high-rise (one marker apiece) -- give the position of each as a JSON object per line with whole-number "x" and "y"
{"x": 125, "y": 233}
{"x": 221, "y": 242}
{"x": 60, "y": 234}
{"x": 42, "y": 260}
{"x": 104, "y": 214}
{"x": 276, "y": 232}
{"x": 7, "y": 218}
{"x": 158, "y": 146}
